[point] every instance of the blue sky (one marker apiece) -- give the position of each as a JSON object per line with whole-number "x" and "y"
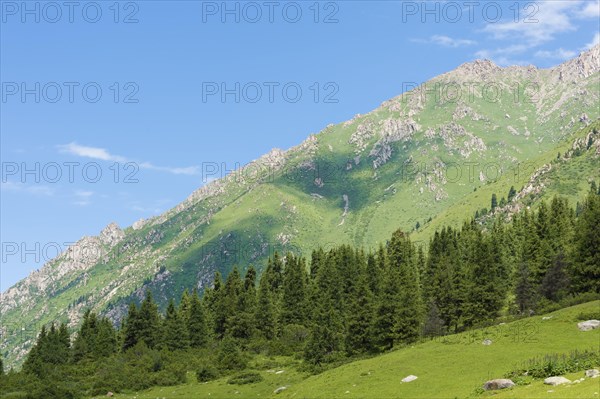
{"x": 134, "y": 92}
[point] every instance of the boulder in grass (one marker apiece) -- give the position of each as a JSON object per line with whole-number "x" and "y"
{"x": 588, "y": 325}
{"x": 593, "y": 373}
{"x": 279, "y": 390}
{"x": 501, "y": 383}
{"x": 556, "y": 381}
{"x": 487, "y": 342}
{"x": 410, "y": 378}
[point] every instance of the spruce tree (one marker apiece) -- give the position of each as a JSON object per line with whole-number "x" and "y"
{"x": 585, "y": 271}
{"x": 197, "y": 325}
{"x": 149, "y": 322}
{"x": 241, "y": 322}
{"x": 175, "y": 334}
{"x": 265, "y": 315}
{"x": 293, "y": 303}
{"x": 230, "y": 300}
{"x": 359, "y": 336}
{"x": 326, "y": 338}
{"x": 131, "y": 327}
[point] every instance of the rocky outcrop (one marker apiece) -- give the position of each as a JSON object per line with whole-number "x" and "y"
{"x": 494, "y": 385}
{"x": 556, "y": 381}
{"x": 588, "y": 325}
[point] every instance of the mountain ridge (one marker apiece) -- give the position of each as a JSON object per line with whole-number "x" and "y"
{"x": 352, "y": 182}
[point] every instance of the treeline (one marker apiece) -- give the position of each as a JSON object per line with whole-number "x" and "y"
{"x": 342, "y": 303}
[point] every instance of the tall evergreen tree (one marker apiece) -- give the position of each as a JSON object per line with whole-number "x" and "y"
{"x": 266, "y": 314}
{"x": 585, "y": 272}
{"x": 293, "y": 303}
{"x": 131, "y": 327}
{"x": 175, "y": 333}
{"x": 359, "y": 336}
{"x": 197, "y": 325}
{"x": 149, "y": 322}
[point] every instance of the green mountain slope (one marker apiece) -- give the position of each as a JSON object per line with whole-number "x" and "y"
{"x": 444, "y": 367}
{"x": 437, "y": 152}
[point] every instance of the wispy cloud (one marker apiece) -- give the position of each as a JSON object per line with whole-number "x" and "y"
{"x": 595, "y": 41}
{"x": 539, "y": 24}
{"x": 83, "y": 198}
{"x": 590, "y": 9}
{"x": 104, "y": 155}
{"x": 446, "y": 41}
{"x": 90, "y": 152}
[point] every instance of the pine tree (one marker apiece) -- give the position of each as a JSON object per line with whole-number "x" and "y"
{"x": 242, "y": 323}
{"x": 149, "y": 322}
{"x": 265, "y": 315}
{"x": 96, "y": 338}
{"x": 373, "y": 275}
{"x": 585, "y": 272}
{"x": 175, "y": 334}
{"x": 197, "y": 325}
{"x": 293, "y": 303}
{"x": 131, "y": 327}
{"x": 214, "y": 300}
{"x": 316, "y": 260}
{"x": 359, "y": 336}
{"x": 409, "y": 314}
{"x": 185, "y": 305}
{"x": 494, "y": 202}
{"x": 525, "y": 290}
{"x": 230, "y": 300}
{"x": 326, "y": 339}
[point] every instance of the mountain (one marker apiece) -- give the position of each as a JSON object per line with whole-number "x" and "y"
{"x": 432, "y": 155}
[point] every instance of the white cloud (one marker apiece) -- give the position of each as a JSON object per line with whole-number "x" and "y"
{"x": 104, "y": 155}
{"x": 595, "y": 41}
{"x": 590, "y": 9}
{"x": 446, "y": 41}
{"x": 539, "y": 25}
{"x": 560, "y": 54}
{"x": 90, "y": 152}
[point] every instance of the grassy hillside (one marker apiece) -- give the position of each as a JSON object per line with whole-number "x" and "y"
{"x": 415, "y": 159}
{"x": 455, "y": 366}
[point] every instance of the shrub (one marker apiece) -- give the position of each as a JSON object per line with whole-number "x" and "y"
{"x": 230, "y": 356}
{"x": 589, "y": 316}
{"x": 558, "y": 364}
{"x": 245, "y": 378}
{"x": 207, "y": 373}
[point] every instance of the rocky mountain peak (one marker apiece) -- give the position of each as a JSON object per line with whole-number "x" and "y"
{"x": 585, "y": 65}
{"x": 111, "y": 234}
{"x": 477, "y": 69}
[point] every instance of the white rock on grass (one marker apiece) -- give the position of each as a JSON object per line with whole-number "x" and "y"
{"x": 279, "y": 390}
{"x": 487, "y": 342}
{"x": 501, "y": 383}
{"x": 592, "y": 373}
{"x": 556, "y": 381}
{"x": 410, "y": 378}
{"x": 588, "y": 325}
